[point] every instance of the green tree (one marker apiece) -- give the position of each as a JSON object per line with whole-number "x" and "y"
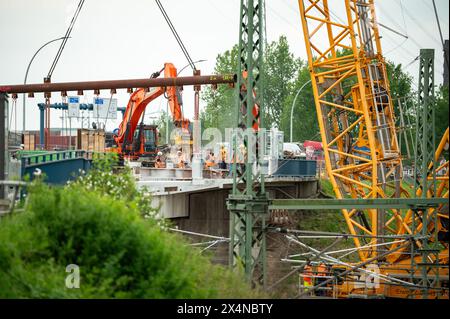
{"x": 281, "y": 68}
{"x": 162, "y": 122}
{"x": 285, "y": 75}
{"x": 400, "y": 82}
{"x": 441, "y": 112}
{"x": 305, "y": 126}
{"x": 220, "y": 107}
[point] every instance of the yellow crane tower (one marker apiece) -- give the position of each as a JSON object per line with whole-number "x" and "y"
{"x": 357, "y": 126}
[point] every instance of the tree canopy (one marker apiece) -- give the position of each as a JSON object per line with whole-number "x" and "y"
{"x": 285, "y": 75}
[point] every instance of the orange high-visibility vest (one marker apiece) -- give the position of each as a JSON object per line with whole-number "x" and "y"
{"x": 321, "y": 270}
{"x": 306, "y": 273}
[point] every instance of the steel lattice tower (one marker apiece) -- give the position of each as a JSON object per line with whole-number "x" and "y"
{"x": 248, "y": 202}
{"x": 425, "y": 176}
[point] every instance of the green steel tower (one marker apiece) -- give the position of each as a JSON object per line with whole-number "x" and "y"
{"x": 248, "y": 203}
{"x": 425, "y": 177}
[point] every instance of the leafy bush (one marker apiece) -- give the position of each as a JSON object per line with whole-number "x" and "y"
{"x": 117, "y": 184}
{"x": 96, "y": 223}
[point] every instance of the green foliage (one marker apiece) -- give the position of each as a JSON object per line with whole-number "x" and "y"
{"x": 220, "y": 110}
{"x": 120, "y": 254}
{"x": 280, "y": 71}
{"x": 400, "y": 82}
{"x": 285, "y": 74}
{"x": 119, "y": 185}
{"x": 162, "y": 122}
{"x": 281, "y": 68}
{"x": 305, "y": 126}
{"x": 441, "y": 112}
{"x": 327, "y": 187}
{"x": 96, "y": 223}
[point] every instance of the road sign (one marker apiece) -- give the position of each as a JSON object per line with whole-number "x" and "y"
{"x": 105, "y": 108}
{"x": 73, "y": 106}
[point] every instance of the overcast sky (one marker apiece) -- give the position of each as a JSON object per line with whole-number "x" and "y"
{"x": 116, "y": 39}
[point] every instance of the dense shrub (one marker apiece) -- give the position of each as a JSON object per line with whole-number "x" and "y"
{"x": 119, "y": 253}
{"x": 117, "y": 184}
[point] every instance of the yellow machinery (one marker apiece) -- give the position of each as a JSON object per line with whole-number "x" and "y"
{"x": 357, "y": 125}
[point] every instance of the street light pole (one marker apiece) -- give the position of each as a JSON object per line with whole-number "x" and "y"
{"x": 292, "y": 108}
{"x": 26, "y": 75}
{"x": 182, "y": 69}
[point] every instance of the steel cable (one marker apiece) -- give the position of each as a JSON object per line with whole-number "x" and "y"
{"x": 66, "y": 36}
{"x": 177, "y": 37}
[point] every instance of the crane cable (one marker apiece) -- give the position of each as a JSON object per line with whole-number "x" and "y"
{"x": 66, "y": 37}
{"x": 440, "y": 34}
{"x": 419, "y": 24}
{"x": 175, "y": 34}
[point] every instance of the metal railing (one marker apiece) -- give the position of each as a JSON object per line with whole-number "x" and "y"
{"x": 49, "y": 157}
{"x": 10, "y": 203}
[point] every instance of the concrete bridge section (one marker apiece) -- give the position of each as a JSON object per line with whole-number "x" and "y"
{"x": 202, "y": 208}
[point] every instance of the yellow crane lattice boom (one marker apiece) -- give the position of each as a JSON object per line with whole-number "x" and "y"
{"x": 355, "y": 112}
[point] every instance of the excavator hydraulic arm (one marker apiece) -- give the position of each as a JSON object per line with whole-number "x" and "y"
{"x": 138, "y": 102}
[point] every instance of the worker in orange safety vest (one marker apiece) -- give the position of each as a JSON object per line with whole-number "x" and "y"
{"x": 321, "y": 273}
{"x": 210, "y": 160}
{"x": 307, "y": 280}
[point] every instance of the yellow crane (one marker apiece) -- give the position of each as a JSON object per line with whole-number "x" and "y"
{"x": 357, "y": 126}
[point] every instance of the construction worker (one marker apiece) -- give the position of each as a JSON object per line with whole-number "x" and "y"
{"x": 210, "y": 160}
{"x": 180, "y": 160}
{"x": 307, "y": 277}
{"x": 321, "y": 273}
{"x": 159, "y": 161}
{"x": 223, "y": 157}
{"x": 241, "y": 158}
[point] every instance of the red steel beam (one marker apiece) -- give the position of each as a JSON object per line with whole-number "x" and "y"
{"x": 118, "y": 84}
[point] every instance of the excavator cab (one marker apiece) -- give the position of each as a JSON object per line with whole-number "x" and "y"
{"x": 145, "y": 141}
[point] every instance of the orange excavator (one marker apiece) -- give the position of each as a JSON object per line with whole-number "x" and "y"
{"x": 136, "y": 140}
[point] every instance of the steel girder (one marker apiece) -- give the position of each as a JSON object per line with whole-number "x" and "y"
{"x": 350, "y": 203}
